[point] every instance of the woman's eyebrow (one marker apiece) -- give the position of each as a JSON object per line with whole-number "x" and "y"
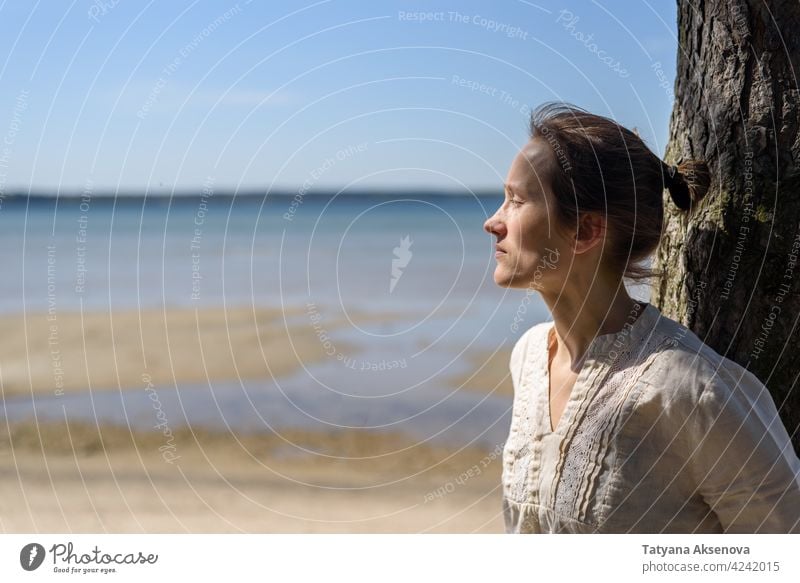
{"x": 511, "y": 190}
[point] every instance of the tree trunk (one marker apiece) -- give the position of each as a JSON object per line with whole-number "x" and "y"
{"x": 732, "y": 265}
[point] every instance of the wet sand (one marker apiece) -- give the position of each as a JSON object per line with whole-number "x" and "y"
{"x": 104, "y": 350}
{"x": 489, "y": 373}
{"x": 78, "y": 478}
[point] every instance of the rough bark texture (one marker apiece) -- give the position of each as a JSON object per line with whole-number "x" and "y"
{"x": 730, "y": 263}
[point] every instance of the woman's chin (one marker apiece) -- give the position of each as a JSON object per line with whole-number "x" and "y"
{"x": 508, "y": 280}
{"x": 502, "y": 278}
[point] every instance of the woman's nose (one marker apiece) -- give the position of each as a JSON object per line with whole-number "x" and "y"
{"x": 493, "y": 225}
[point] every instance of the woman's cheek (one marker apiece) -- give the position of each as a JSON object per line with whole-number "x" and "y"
{"x": 551, "y": 257}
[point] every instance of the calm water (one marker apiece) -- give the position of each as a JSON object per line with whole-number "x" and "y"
{"x": 425, "y": 259}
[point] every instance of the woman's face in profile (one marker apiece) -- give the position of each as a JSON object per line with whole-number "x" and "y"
{"x": 529, "y": 247}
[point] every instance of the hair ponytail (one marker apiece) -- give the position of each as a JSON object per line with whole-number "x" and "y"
{"x": 688, "y": 182}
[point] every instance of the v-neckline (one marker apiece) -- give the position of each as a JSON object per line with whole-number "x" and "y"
{"x": 599, "y": 342}
{"x": 553, "y": 430}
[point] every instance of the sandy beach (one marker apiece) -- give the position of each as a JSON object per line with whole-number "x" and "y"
{"x": 78, "y": 478}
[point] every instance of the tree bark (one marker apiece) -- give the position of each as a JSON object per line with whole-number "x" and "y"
{"x": 731, "y": 271}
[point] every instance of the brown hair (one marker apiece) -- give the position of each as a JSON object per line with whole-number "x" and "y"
{"x": 603, "y": 167}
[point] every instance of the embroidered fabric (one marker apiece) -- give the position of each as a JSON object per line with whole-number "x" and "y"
{"x": 583, "y": 460}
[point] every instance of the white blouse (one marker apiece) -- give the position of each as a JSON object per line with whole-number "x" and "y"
{"x": 660, "y": 435}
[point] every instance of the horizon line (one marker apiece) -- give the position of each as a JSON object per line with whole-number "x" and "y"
{"x": 247, "y": 192}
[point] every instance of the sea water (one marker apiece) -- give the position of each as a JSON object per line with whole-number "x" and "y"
{"x": 410, "y": 274}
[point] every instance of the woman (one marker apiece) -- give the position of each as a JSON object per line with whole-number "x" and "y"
{"x": 623, "y": 419}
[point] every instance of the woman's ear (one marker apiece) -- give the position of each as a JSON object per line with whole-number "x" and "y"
{"x": 590, "y": 232}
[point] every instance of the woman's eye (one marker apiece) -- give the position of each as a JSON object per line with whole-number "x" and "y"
{"x": 516, "y": 202}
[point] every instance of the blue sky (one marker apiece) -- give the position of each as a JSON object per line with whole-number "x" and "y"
{"x": 124, "y": 94}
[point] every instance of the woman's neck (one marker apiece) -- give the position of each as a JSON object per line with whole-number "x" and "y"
{"x": 580, "y": 316}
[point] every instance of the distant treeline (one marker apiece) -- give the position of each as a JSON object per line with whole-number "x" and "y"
{"x": 260, "y": 194}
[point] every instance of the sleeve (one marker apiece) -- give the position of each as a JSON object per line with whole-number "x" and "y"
{"x": 743, "y": 462}
{"x": 511, "y": 517}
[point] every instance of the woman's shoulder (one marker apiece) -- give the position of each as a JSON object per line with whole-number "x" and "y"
{"x": 725, "y": 425}
{"x": 691, "y": 370}
{"x": 524, "y": 347}
{"x": 529, "y": 338}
